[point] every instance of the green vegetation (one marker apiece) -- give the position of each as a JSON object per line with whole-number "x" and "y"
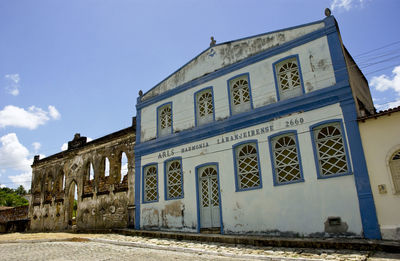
{"x": 13, "y": 197}
{"x": 75, "y": 208}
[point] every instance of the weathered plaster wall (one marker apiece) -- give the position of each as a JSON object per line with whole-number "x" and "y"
{"x": 219, "y": 56}
{"x": 359, "y": 86}
{"x": 298, "y": 208}
{"x": 380, "y": 138}
{"x": 102, "y": 201}
{"x": 316, "y": 68}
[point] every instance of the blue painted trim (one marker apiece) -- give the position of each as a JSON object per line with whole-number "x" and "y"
{"x": 276, "y": 79}
{"x": 240, "y": 64}
{"x": 137, "y": 190}
{"x": 195, "y": 104}
{"x": 230, "y": 93}
{"x": 315, "y": 149}
{"x": 336, "y": 51}
{"x": 166, "y": 180}
{"x": 198, "y": 195}
{"x": 240, "y": 39}
{"x": 365, "y": 198}
{"x": 235, "y": 165}
{"x": 143, "y": 179}
{"x": 158, "y": 119}
{"x": 272, "y": 156}
{"x": 137, "y": 169}
{"x": 310, "y": 101}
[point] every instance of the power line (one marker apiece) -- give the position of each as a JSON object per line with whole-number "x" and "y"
{"x": 376, "y": 49}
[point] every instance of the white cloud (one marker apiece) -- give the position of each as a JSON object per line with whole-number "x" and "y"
{"x": 33, "y": 117}
{"x": 64, "y": 147}
{"x": 23, "y": 179}
{"x": 388, "y": 105}
{"x": 13, "y": 154}
{"x": 2, "y": 186}
{"x": 36, "y": 146}
{"x": 383, "y": 83}
{"x": 12, "y": 86}
{"x": 54, "y": 113}
{"x": 345, "y": 4}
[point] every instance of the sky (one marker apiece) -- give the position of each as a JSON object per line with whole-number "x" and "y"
{"x": 77, "y": 66}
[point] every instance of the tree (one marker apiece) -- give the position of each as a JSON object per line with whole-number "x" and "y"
{"x": 10, "y": 198}
{"x": 21, "y": 191}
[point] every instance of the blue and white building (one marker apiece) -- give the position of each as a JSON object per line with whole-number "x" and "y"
{"x": 258, "y": 136}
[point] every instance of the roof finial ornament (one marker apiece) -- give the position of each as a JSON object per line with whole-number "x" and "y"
{"x": 213, "y": 42}
{"x": 327, "y": 12}
{"x": 140, "y": 93}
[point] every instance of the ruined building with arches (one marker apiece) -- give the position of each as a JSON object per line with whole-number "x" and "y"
{"x": 88, "y": 186}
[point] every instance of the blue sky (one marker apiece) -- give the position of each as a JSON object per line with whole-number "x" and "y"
{"x": 77, "y": 66}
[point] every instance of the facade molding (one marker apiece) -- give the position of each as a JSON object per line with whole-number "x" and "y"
{"x": 306, "y": 102}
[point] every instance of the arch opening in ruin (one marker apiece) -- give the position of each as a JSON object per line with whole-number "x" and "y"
{"x": 72, "y": 203}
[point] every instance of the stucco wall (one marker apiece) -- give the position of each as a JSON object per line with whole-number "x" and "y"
{"x": 316, "y": 68}
{"x": 381, "y": 139}
{"x": 298, "y": 208}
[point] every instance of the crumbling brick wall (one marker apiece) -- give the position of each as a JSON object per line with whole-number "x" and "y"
{"x": 14, "y": 219}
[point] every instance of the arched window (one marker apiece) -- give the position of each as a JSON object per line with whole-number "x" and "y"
{"x": 288, "y": 78}
{"x": 204, "y": 106}
{"x": 150, "y": 183}
{"x": 247, "y": 166}
{"x": 331, "y": 151}
{"x": 240, "y": 94}
{"x": 394, "y": 164}
{"x": 286, "y": 161}
{"x": 90, "y": 172}
{"x": 174, "y": 184}
{"x": 63, "y": 181}
{"x": 124, "y": 165}
{"x": 106, "y": 167}
{"x": 165, "y": 119}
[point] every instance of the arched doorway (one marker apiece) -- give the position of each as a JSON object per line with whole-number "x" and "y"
{"x": 73, "y": 203}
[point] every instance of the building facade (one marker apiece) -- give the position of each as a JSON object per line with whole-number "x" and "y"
{"x": 383, "y": 161}
{"x": 88, "y": 186}
{"x": 258, "y": 136}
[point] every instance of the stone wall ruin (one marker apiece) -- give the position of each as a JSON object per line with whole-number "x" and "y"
{"x": 99, "y": 174}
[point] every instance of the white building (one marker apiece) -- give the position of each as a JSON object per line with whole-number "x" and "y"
{"x": 381, "y": 142}
{"x": 259, "y": 136}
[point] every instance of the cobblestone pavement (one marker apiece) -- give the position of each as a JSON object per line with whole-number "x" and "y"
{"x": 64, "y": 246}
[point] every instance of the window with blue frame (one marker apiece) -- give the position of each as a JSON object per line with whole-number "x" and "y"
{"x": 288, "y": 78}
{"x": 330, "y": 149}
{"x": 247, "y": 166}
{"x": 240, "y": 97}
{"x": 164, "y": 119}
{"x": 174, "y": 179}
{"x": 286, "y": 159}
{"x": 204, "y": 106}
{"x": 150, "y": 183}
